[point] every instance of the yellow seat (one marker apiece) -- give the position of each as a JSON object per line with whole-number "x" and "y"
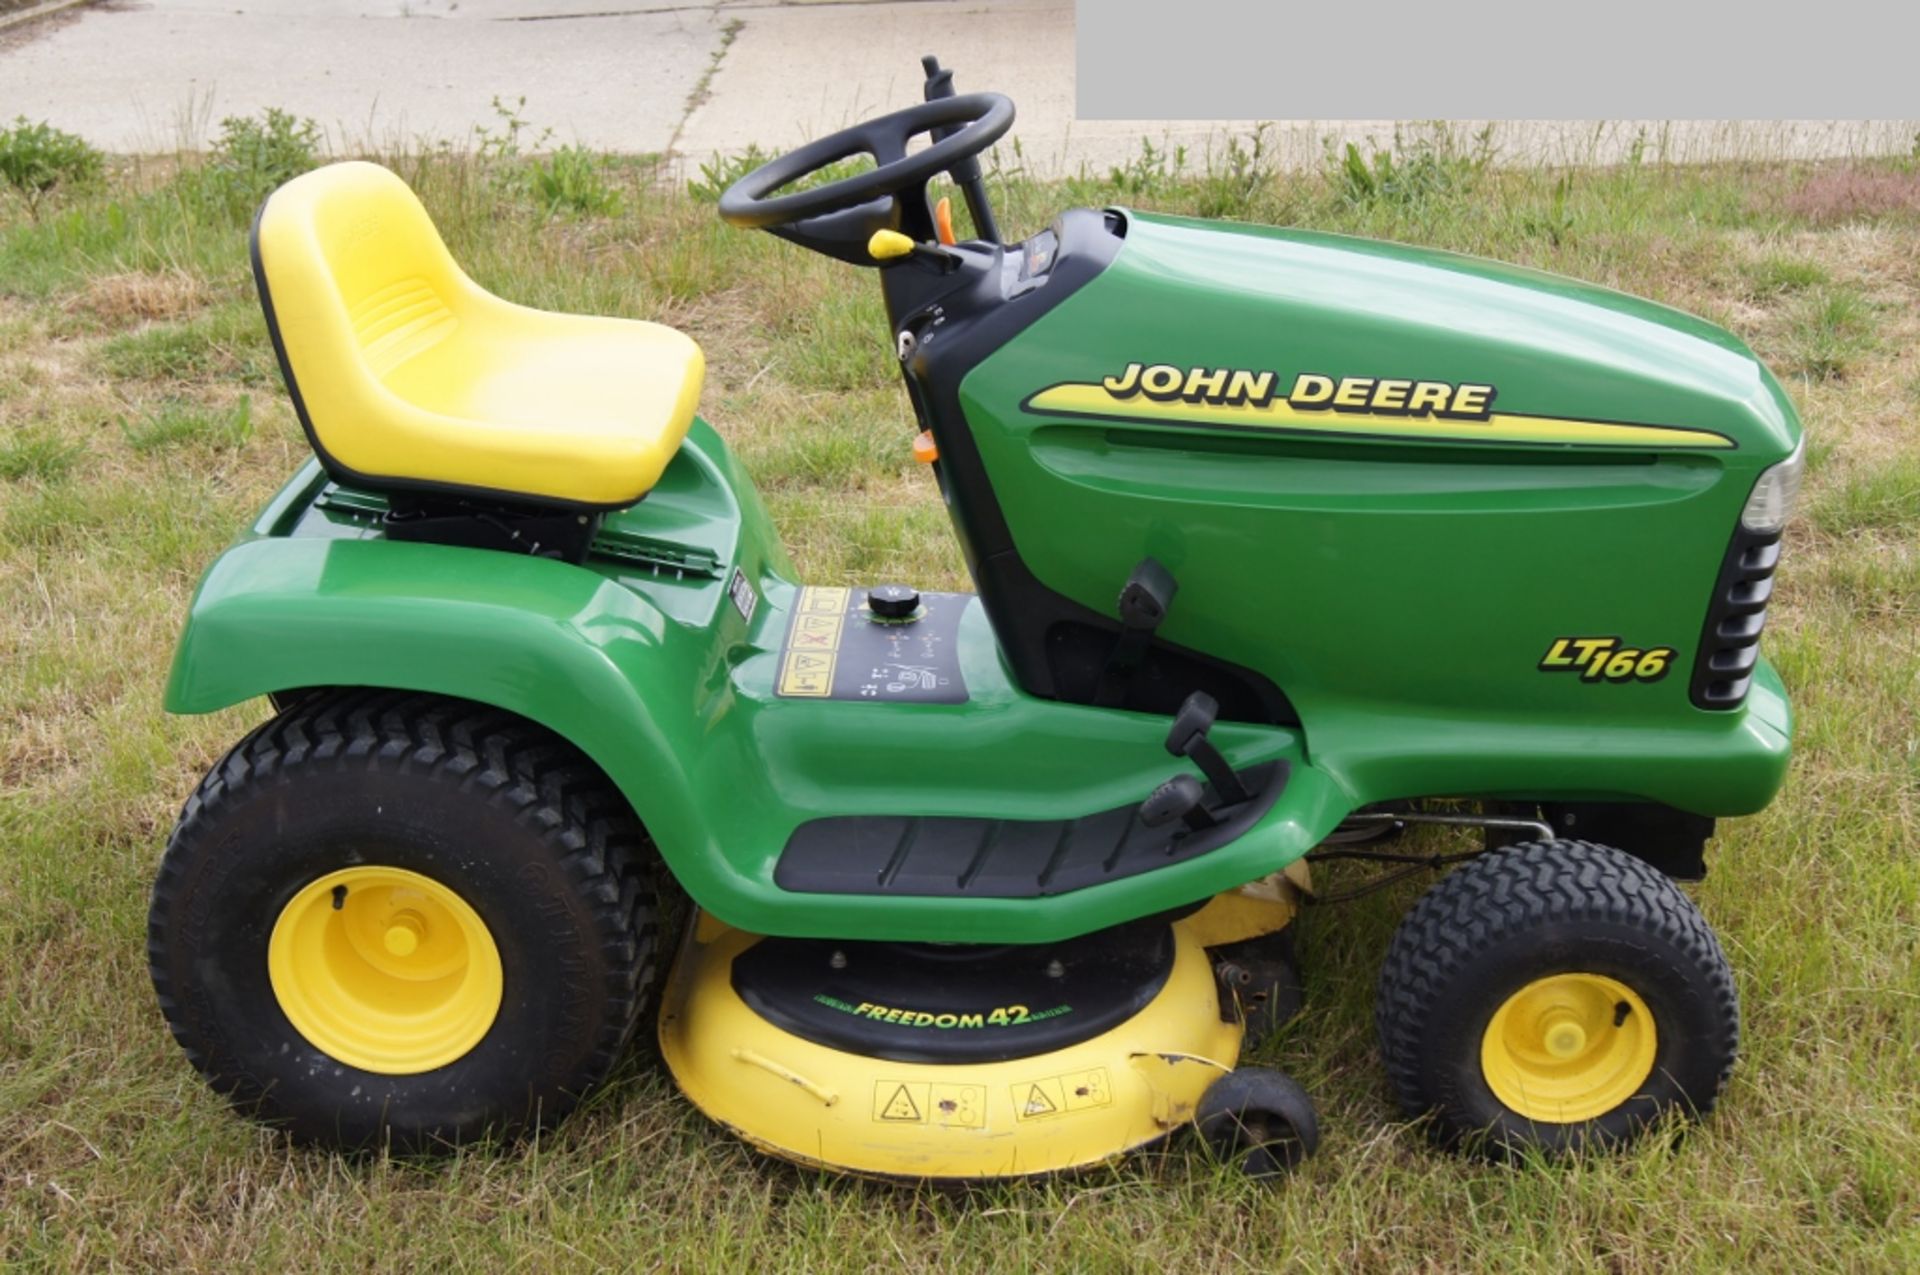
{"x": 407, "y": 374}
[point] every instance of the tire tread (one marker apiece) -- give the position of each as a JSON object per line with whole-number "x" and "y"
{"x": 534, "y": 776}
{"x": 1516, "y": 888}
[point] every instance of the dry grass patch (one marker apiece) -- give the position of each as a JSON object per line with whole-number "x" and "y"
{"x": 1829, "y": 196}
{"x": 135, "y": 296}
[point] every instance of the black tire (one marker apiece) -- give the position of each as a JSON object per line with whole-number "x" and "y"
{"x": 1259, "y": 1120}
{"x": 1528, "y": 912}
{"x": 511, "y": 818}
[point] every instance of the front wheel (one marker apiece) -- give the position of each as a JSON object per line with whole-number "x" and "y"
{"x": 388, "y": 917}
{"x": 1555, "y": 995}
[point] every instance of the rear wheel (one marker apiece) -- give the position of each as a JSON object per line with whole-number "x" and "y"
{"x": 1555, "y": 995}
{"x": 396, "y": 917}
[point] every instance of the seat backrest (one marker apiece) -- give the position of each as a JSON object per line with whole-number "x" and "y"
{"x": 354, "y": 280}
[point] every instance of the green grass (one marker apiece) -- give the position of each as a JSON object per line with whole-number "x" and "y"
{"x": 140, "y": 425}
{"x": 1828, "y": 330}
{"x": 1884, "y": 499}
{"x": 36, "y": 454}
{"x": 175, "y": 424}
{"x": 1773, "y": 275}
{"x": 224, "y": 345}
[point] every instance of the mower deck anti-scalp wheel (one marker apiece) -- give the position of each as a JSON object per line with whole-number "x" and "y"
{"x": 1556, "y": 995}
{"x": 1260, "y": 1120}
{"x": 390, "y": 917}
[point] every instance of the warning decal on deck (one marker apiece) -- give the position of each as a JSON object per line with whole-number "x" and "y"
{"x": 837, "y": 649}
{"x": 899, "y": 1105}
{"x": 1073, "y": 1091}
{"x": 904, "y": 1102}
{"x": 1042, "y": 1099}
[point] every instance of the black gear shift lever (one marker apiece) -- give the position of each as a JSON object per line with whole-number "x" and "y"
{"x": 1188, "y": 738}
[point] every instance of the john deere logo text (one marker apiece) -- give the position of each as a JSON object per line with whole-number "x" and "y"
{"x": 1311, "y": 391}
{"x": 1377, "y": 409}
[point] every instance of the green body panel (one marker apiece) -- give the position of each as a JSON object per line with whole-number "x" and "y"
{"x": 1401, "y": 592}
{"x": 661, "y": 682}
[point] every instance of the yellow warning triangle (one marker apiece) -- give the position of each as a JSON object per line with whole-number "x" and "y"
{"x": 900, "y": 1106}
{"x": 1038, "y": 1104}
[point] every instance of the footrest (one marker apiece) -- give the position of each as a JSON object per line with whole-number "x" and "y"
{"x": 1002, "y": 858}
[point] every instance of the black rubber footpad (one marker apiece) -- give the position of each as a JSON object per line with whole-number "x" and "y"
{"x": 1002, "y": 858}
{"x": 927, "y": 1003}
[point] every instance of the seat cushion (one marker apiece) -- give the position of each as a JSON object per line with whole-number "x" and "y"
{"x": 409, "y": 375}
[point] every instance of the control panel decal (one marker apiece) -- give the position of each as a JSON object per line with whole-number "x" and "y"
{"x": 852, "y": 644}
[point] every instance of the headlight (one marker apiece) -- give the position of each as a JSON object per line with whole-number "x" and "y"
{"x": 1771, "y": 503}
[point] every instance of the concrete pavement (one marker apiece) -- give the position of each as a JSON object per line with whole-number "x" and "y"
{"x": 159, "y": 75}
{"x": 689, "y": 77}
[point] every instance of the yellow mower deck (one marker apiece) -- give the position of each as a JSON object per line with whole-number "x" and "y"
{"x": 1074, "y": 1106}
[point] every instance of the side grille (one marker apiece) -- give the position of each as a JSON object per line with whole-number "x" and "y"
{"x": 1730, "y": 646}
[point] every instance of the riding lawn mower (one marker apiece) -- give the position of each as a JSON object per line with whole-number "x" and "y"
{"x": 1281, "y": 543}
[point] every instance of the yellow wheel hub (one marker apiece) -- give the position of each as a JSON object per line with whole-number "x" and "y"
{"x": 1568, "y": 1048}
{"x": 385, "y": 970}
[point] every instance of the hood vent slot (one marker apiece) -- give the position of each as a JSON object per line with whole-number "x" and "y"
{"x": 1730, "y": 646}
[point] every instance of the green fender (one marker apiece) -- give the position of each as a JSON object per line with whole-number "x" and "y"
{"x": 559, "y": 645}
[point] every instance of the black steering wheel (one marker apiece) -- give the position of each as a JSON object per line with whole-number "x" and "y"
{"x": 962, "y": 127}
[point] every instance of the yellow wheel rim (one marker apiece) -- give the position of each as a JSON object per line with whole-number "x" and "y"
{"x": 385, "y": 970}
{"x": 1568, "y": 1048}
